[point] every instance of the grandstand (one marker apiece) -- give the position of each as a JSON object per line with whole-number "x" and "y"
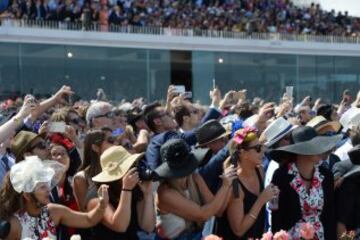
{"x": 259, "y": 45}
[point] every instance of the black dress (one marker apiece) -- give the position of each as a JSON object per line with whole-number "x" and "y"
{"x": 102, "y": 232}
{"x": 257, "y": 229}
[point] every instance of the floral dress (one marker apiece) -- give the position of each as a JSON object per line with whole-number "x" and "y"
{"x": 311, "y": 202}
{"x": 37, "y": 228}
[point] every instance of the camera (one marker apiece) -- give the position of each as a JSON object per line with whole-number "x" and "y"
{"x": 146, "y": 173}
{"x": 4, "y": 229}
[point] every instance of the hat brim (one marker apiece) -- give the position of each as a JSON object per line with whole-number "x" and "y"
{"x": 24, "y": 148}
{"x": 275, "y": 140}
{"x": 195, "y": 158}
{"x": 106, "y": 176}
{"x": 315, "y": 146}
{"x": 226, "y": 134}
{"x": 353, "y": 172}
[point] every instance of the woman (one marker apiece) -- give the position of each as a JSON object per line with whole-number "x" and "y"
{"x": 184, "y": 201}
{"x": 131, "y": 207}
{"x": 96, "y": 142}
{"x": 64, "y": 188}
{"x": 24, "y": 201}
{"x": 245, "y": 213}
{"x": 306, "y": 187}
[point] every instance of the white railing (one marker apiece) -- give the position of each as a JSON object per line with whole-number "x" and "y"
{"x": 96, "y": 27}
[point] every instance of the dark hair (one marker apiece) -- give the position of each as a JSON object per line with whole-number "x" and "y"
{"x": 150, "y": 113}
{"x": 325, "y": 110}
{"x": 91, "y": 163}
{"x": 10, "y": 200}
{"x": 180, "y": 112}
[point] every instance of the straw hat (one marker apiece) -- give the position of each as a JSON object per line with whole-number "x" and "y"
{"x": 115, "y": 162}
{"x": 322, "y": 125}
{"x": 276, "y": 131}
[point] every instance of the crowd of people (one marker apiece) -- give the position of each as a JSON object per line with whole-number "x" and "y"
{"x": 250, "y": 16}
{"x": 237, "y": 169}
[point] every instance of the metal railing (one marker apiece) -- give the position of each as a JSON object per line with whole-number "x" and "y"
{"x": 96, "y": 27}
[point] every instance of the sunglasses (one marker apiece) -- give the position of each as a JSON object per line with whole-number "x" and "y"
{"x": 194, "y": 111}
{"x": 257, "y": 148}
{"x": 110, "y": 139}
{"x": 76, "y": 121}
{"x": 107, "y": 115}
{"x": 40, "y": 145}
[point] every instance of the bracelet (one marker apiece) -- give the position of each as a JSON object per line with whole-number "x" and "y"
{"x": 252, "y": 216}
{"x": 126, "y": 190}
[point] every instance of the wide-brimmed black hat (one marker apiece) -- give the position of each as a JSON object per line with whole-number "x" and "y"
{"x": 209, "y": 132}
{"x": 177, "y": 159}
{"x": 306, "y": 142}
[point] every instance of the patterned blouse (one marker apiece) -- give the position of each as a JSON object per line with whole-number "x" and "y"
{"x": 311, "y": 202}
{"x": 37, "y": 228}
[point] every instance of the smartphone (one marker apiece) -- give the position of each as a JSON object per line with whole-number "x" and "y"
{"x": 179, "y": 89}
{"x": 235, "y": 183}
{"x": 214, "y": 83}
{"x": 187, "y": 95}
{"x": 289, "y": 91}
{"x": 57, "y": 127}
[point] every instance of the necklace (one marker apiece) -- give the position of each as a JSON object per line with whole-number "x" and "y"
{"x": 305, "y": 179}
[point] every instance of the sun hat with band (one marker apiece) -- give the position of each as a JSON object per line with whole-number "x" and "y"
{"x": 178, "y": 160}
{"x": 306, "y": 142}
{"x": 115, "y": 162}
{"x": 25, "y": 175}
{"x": 322, "y": 125}
{"x": 278, "y": 129}
{"x": 209, "y": 132}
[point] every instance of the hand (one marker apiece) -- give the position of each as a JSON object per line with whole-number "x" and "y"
{"x": 317, "y": 103}
{"x": 215, "y": 96}
{"x": 44, "y": 128}
{"x": 229, "y": 175}
{"x": 103, "y": 195}
{"x": 146, "y": 187}
{"x": 228, "y": 98}
{"x": 306, "y": 101}
{"x": 171, "y": 94}
{"x": 269, "y": 193}
{"x": 264, "y": 111}
{"x": 28, "y": 106}
{"x": 63, "y": 92}
{"x": 338, "y": 182}
{"x": 284, "y": 108}
{"x": 130, "y": 179}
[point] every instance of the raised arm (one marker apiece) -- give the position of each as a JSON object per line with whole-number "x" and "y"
{"x": 65, "y": 216}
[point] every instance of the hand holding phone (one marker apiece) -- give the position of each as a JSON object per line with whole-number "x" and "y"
{"x": 57, "y": 127}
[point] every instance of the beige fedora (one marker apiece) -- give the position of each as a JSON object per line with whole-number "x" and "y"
{"x": 115, "y": 162}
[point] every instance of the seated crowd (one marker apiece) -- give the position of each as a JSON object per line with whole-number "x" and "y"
{"x": 250, "y": 16}
{"x": 179, "y": 170}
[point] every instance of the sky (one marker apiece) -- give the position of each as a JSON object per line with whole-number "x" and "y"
{"x": 352, "y": 6}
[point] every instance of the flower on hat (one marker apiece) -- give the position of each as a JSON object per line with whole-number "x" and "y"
{"x": 244, "y": 134}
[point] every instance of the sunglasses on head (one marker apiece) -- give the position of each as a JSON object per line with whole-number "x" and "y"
{"x": 257, "y": 148}
{"x": 107, "y": 115}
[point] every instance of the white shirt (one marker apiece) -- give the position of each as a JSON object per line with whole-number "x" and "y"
{"x": 342, "y": 152}
{"x": 268, "y": 177}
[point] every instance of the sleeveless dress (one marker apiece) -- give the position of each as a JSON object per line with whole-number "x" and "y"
{"x": 257, "y": 229}
{"x": 37, "y": 228}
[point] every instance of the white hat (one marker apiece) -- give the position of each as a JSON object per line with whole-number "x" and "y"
{"x": 277, "y": 130}
{"x": 350, "y": 118}
{"x": 25, "y": 175}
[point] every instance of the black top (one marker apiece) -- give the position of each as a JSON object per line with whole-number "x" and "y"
{"x": 289, "y": 212}
{"x": 257, "y": 229}
{"x": 102, "y": 232}
{"x": 348, "y": 203}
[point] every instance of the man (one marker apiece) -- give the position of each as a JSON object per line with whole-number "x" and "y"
{"x": 212, "y": 135}
{"x": 27, "y": 144}
{"x": 186, "y": 116}
{"x": 99, "y": 115}
{"x": 164, "y": 127}
{"x": 276, "y": 135}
